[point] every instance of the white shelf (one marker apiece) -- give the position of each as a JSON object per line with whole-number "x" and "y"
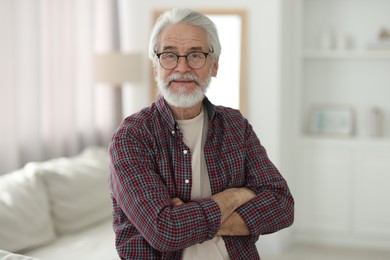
{"x": 347, "y": 54}
{"x": 352, "y": 140}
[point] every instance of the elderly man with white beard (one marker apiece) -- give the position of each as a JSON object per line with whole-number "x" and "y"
{"x": 188, "y": 179}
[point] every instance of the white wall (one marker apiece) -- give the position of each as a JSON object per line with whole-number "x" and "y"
{"x": 263, "y": 76}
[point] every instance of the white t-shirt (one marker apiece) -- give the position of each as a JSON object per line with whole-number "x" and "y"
{"x": 194, "y": 136}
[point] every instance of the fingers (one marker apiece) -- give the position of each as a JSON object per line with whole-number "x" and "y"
{"x": 177, "y": 202}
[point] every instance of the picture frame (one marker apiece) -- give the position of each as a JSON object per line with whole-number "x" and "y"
{"x": 331, "y": 120}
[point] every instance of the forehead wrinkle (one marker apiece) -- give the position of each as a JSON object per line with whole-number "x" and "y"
{"x": 177, "y": 37}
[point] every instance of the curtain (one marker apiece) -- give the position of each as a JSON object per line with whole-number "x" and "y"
{"x": 49, "y": 103}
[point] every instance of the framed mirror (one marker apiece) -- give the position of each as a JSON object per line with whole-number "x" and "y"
{"x": 228, "y": 88}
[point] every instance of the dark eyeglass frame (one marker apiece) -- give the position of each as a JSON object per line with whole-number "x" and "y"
{"x": 206, "y": 54}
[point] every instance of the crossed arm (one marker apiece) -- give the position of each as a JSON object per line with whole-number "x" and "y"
{"x": 228, "y": 201}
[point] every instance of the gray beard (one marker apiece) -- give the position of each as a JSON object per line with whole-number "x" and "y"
{"x": 181, "y": 99}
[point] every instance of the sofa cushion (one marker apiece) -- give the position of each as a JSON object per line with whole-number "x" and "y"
{"x": 4, "y": 255}
{"x": 78, "y": 189}
{"x": 94, "y": 243}
{"x": 24, "y": 211}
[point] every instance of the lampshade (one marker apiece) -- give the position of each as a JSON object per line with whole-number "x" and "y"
{"x": 116, "y": 68}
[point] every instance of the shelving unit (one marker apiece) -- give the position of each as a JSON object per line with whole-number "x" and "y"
{"x": 346, "y": 55}
{"x": 347, "y": 73}
{"x": 341, "y": 182}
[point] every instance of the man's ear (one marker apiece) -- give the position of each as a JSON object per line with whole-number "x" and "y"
{"x": 214, "y": 70}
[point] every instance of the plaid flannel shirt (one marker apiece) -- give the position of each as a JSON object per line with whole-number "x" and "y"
{"x": 150, "y": 164}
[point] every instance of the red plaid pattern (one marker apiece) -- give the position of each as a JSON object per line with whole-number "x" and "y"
{"x": 150, "y": 164}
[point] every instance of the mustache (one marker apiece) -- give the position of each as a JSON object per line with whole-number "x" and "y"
{"x": 186, "y": 76}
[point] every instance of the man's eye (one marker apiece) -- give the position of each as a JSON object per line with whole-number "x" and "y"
{"x": 169, "y": 56}
{"x": 195, "y": 55}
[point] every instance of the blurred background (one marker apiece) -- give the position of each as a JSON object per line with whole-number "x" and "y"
{"x": 312, "y": 78}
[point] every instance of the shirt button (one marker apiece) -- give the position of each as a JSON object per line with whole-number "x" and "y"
{"x": 185, "y": 151}
{"x": 173, "y": 132}
{"x": 187, "y": 181}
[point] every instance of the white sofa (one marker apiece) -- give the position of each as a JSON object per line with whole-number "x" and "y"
{"x": 58, "y": 209}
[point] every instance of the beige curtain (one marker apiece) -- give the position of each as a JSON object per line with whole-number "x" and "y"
{"x": 49, "y": 104}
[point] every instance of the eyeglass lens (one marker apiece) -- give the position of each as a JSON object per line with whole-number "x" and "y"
{"x": 195, "y": 60}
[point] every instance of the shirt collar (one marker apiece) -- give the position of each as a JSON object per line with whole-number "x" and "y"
{"x": 210, "y": 108}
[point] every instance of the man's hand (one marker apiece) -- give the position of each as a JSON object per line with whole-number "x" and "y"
{"x": 233, "y": 226}
{"x": 177, "y": 202}
{"x": 229, "y": 200}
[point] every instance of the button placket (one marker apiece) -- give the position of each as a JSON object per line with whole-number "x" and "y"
{"x": 185, "y": 157}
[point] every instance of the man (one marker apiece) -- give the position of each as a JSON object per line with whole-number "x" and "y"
{"x": 191, "y": 180}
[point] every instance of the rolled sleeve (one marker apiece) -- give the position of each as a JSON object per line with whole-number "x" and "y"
{"x": 212, "y": 215}
{"x": 267, "y": 213}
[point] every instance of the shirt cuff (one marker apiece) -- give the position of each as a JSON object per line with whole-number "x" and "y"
{"x": 212, "y": 215}
{"x": 248, "y": 214}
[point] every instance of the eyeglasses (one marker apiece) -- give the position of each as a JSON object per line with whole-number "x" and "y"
{"x": 195, "y": 60}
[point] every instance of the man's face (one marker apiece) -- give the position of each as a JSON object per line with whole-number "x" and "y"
{"x": 184, "y": 86}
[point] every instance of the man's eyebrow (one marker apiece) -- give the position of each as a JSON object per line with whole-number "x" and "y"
{"x": 196, "y": 49}
{"x": 173, "y": 48}
{"x": 169, "y": 48}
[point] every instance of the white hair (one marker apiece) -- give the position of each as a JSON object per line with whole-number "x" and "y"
{"x": 186, "y": 16}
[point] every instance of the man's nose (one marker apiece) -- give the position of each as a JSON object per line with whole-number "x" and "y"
{"x": 182, "y": 65}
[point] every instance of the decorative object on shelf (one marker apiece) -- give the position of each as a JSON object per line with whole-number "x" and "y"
{"x": 383, "y": 41}
{"x": 334, "y": 40}
{"x": 332, "y": 120}
{"x": 384, "y": 34}
{"x": 326, "y": 39}
{"x": 344, "y": 42}
{"x": 376, "y": 122}
{"x": 341, "y": 42}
